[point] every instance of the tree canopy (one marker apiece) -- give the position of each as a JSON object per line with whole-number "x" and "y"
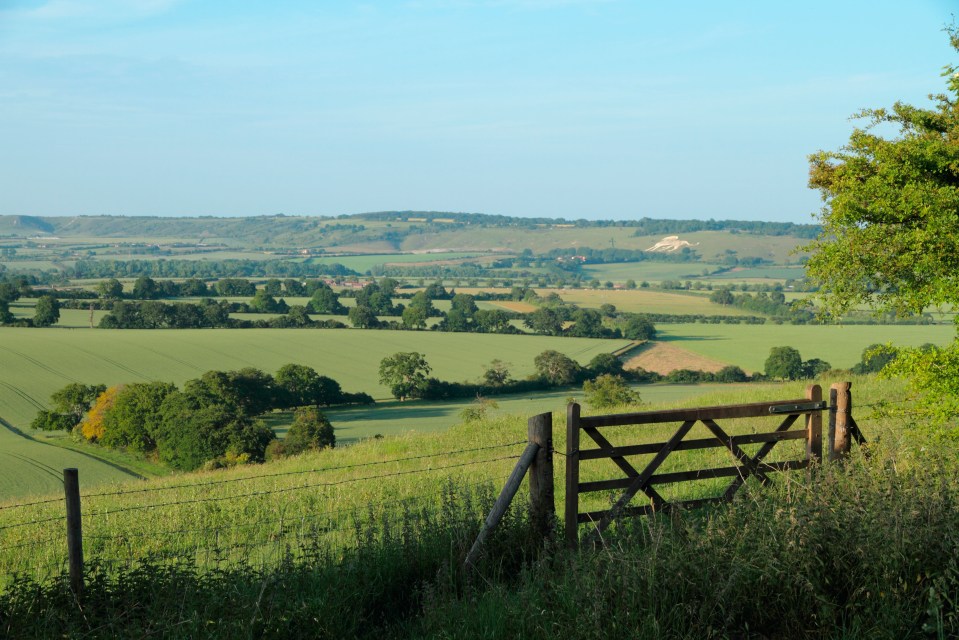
{"x": 891, "y": 226}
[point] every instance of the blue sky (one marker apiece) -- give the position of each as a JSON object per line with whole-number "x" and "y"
{"x": 572, "y": 108}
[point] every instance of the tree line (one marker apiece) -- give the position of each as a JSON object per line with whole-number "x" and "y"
{"x": 211, "y": 421}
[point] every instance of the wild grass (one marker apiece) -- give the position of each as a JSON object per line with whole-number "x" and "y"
{"x": 863, "y": 550}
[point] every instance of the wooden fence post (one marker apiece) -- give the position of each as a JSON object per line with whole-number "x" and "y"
{"x": 572, "y": 475}
{"x": 840, "y": 429}
{"x": 541, "y": 492}
{"x": 814, "y": 425}
{"x": 71, "y": 489}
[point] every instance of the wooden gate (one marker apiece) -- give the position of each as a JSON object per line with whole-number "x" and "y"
{"x": 645, "y": 480}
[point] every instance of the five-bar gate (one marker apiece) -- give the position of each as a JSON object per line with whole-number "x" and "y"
{"x": 783, "y": 414}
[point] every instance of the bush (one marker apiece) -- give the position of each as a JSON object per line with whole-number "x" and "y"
{"x": 310, "y": 430}
{"x": 608, "y": 391}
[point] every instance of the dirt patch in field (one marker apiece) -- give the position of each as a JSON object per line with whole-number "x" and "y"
{"x": 663, "y": 358}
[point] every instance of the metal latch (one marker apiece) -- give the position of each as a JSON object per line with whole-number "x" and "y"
{"x": 802, "y": 407}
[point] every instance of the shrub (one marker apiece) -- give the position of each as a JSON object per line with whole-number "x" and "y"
{"x": 608, "y": 391}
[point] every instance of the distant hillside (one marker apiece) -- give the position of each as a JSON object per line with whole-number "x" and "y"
{"x": 424, "y": 231}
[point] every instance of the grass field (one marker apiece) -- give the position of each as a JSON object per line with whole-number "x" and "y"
{"x": 646, "y": 301}
{"x": 649, "y": 271}
{"x": 364, "y": 263}
{"x": 34, "y": 363}
{"x": 312, "y": 488}
{"x": 31, "y": 467}
{"x": 748, "y": 345}
{"x": 752, "y": 274}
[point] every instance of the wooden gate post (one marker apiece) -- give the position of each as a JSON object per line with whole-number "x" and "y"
{"x": 541, "y": 491}
{"x": 71, "y": 489}
{"x": 814, "y": 425}
{"x": 572, "y": 475}
{"x": 840, "y": 411}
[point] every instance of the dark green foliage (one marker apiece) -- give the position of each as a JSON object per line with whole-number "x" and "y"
{"x": 603, "y": 363}
{"x": 68, "y": 406}
{"x": 264, "y": 302}
{"x": 235, "y": 287}
{"x": 405, "y": 374}
{"x": 46, "y": 312}
{"x": 324, "y": 300}
{"x": 362, "y": 317}
{"x": 608, "y": 391}
{"x": 145, "y": 288}
{"x": 875, "y": 357}
{"x": 784, "y": 363}
{"x": 133, "y": 422}
{"x": 638, "y": 326}
{"x": 731, "y": 373}
{"x": 52, "y": 421}
{"x": 545, "y": 321}
{"x": 249, "y": 390}
{"x": 557, "y": 368}
{"x": 496, "y": 373}
{"x": 310, "y": 430}
{"x": 194, "y": 430}
{"x": 5, "y": 315}
{"x": 298, "y": 385}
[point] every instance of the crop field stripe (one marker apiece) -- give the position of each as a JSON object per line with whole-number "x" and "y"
{"x": 303, "y": 471}
{"x": 42, "y": 365}
{"x": 34, "y": 463}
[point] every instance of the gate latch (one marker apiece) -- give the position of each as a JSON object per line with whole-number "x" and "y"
{"x": 802, "y": 407}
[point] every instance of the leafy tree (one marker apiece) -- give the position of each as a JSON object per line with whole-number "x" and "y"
{"x": 133, "y": 421}
{"x": 465, "y": 303}
{"x": 875, "y": 357}
{"x": 362, "y": 317}
{"x": 496, "y": 373}
{"x": 93, "y": 426}
{"x": 249, "y": 391}
{"x": 194, "y": 287}
{"x": 557, "y": 368}
{"x": 264, "y": 302}
{"x": 299, "y": 385}
{"x": 731, "y": 373}
{"x": 5, "y": 316}
{"x": 404, "y": 373}
{"x": 273, "y": 287}
{"x": 193, "y": 432}
{"x": 111, "y": 289}
{"x": 588, "y": 323}
{"x": 47, "y": 420}
{"x": 545, "y": 321}
{"x": 784, "y": 363}
{"x": 638, "y": 327}
{"x": 145, "y": 288}
{"x": 325, "y": 300}
{"x": 722, "y": 296}
{"x": 605, "y": 363}
{"x": 414, "y": 317}
{"x": 814, "y": 367}
{"x": 46, "y": 312}
{"x": 492, "y": 321}
{"x": 75, "y": 399}
{"x": 608, "y": 391}
{"x": 890, "y": 231}
{"x": 310, "y": 430}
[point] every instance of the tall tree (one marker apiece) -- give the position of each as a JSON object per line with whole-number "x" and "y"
{"x": 46, "y": 312}
{"x": 404, "y": 373}
{"x": 891, "y": 226}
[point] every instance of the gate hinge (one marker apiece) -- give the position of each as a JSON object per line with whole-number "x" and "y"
{"x": 802, "y": 407}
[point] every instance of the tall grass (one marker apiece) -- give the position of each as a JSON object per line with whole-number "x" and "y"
{"x": 863, "y": 550}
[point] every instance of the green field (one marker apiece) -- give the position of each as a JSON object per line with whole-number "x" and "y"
{"x": 30, "y": 467}
{"x": 748, "y": 345}
{"x": 364, "y": 263}
{"x": 646, "y": 301}
{"x": 647, "y": 270}
{"x": 34, "y": 363}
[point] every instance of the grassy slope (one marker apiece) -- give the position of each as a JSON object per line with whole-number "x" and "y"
{"x": 309, "y": 492}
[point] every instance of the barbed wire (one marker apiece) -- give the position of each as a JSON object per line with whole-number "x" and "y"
{"x": 29, "y": 504}
{"x": 17, "y": 525}
{"x": 291, "y": 519}
{"x": 296, "y": 488}
{"x": 30, "y": 543}
{"x": 300, "y": 472}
